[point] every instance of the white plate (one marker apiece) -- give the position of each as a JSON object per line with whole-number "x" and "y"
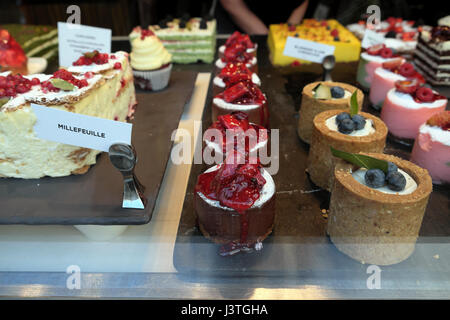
{"x": 36, "y": 65}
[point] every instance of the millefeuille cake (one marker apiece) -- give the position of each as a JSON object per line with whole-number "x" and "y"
{"x": 98, "y": 84}
{"x": 432, "y": 56}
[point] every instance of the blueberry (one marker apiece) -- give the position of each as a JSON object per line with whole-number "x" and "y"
{"x": 346, "y": 126}
{"x": 375, "y": 178}
{"x": 337, "y": 92}
{"x": 359, "y": 121}
{"x": 392, "y": 167}
{"x": 341, "y": 116}
{"x": 336, "y": 38}
{"x": 203, "y": 24}
{"x": 396, "y": 181}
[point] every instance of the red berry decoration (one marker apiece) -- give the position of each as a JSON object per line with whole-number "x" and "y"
{"x": 407, "y": 70}
{"x": 117, "y": 65}
{"x": 424, "y": 94}
{"x": 376, "y": 49}
{"x": 335, "y": 33}
{"x": 407, "y": 86}
{"x": 392, "y": 64}
{"x": 386, "y": 53}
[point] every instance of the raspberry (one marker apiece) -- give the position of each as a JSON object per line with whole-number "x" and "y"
{"x": 386, "y": 53}
{"x": 407, "y": 70}
{"x": 425, "y": 94}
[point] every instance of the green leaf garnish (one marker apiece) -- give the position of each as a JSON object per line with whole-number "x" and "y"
{"x": 62, "y": 84}
{"x": 3, "y": 101}
{"x": 354, "y": 104}
{"x": 361, "y": 160}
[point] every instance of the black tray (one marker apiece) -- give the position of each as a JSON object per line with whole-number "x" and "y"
{"x": 299, "y": 244}
{"x": 96, "y": 197}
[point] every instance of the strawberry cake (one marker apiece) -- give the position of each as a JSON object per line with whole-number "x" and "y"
{"x": 239, "y": 39}
{"x": 385, "y": 76}
{"x": 230, "y": 130}
{"x": 243, "y": 96}
{"x": 432, "y": 147}
{"x": 12, "y": 56}
{"x": 231, "y": 74}
{"x": 371, "y": 59}
{"x": 235, "y": 204}
{"x": 408, "y": 106}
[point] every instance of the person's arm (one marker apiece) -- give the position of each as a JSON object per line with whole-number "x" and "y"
{"x": 244, "y": 17}
{"x": 298, "y": 13}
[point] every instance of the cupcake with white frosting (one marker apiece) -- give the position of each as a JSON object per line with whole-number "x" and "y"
{"x": 151, "y": 62}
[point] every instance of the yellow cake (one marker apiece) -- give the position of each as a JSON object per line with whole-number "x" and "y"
{"x": 348, "y": 47}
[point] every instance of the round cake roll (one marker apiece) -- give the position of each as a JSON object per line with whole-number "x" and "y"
{"x": 314, "y": 102}
{"x": 326, "y": 134}
{"x": 223, "y": 224}
{"x": 377, "y": 226}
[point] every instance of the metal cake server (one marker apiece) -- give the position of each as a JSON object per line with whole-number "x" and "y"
{"x": 123, "y": 157}
{"x": 328, "y": 64}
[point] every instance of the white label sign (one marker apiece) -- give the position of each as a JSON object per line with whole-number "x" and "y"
{"x": 307, "y": 50}
{"x": 371, "y": 38}
{"x": 79, "y": 130}
{"x": 76, "y": 39}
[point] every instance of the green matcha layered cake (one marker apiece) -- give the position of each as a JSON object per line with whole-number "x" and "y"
{"x": 188, "y": 40}
{"x": 36, "y": 41}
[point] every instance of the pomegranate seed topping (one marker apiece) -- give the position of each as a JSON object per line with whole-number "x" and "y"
{"x": 117, "y": 65}
{"x": 35, "y": 81}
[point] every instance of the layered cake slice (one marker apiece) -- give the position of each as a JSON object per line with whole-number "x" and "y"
{"x": 407, "y": 107}
{"x": 432, "y": 55}
{"x": 235, "y": 204}
{"x": 432, "y": 147}
{"x": 189, "y": 40}
{"x": 107, "y": 93}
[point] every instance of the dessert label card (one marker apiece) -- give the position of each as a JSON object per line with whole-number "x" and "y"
{"x": 307, "y": 50}
{"x": 371, "y": 38}
{"x": 79, "y": 130}
{"x": 76, "y": 39}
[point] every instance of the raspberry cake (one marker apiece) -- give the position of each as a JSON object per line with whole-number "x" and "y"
{"x": 239, "y": 130}
{"x": 234, "y": 54}
{"x": 243, "y": 96}
{"x": 432, "y": 56}
{"x": 362, "y": 132}
{"x": 385, "y": 76}
{"x": 235, "y": 204}
{"x": 238, "y": 39}
{"x": 432, "y": 147}
{"x": 108, "y": 94}
{"x": 370, "y": 60}
{"x": 407, "y": 107}
{"x": 321, "y": 96}
{"x": 375, "y": 216}
{"x": 231, "y": 74}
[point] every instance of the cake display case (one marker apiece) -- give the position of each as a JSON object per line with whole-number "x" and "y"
{"x": 224, "y": 231}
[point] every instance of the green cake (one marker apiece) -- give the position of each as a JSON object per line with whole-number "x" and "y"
{"x": 188, "y": 40}
{"x": 36, "y": 41}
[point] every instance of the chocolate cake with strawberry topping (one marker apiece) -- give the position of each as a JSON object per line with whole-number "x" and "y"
{"x": 235, "y": 204}
{"x": 243, "y": 96}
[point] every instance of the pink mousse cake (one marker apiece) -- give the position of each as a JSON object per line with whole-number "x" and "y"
{"x": 231, "y": 74}
{"x": 371, "y": 59}
{"x": 408, "y": 106}
{"x": 385, "y": 76}
{"x": 432, "y": 147}
{"x": 243, "y": 96}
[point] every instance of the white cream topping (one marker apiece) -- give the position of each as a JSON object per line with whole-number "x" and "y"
{"x": 233, "y": 106}
{"x": 218, "y": 81}
{"x": 368, "y": 127}
{"x": 400, "y": 45}
{"x": 347, "y": 94}
{"x": 370, "y": 57}
{"x": 436, "y": 134}
{"x": 388, "y": 74}
{"x": 407, "y": 101}
{"x": 249, "y": 50}
{"x": 410, "y": 186}
{"x": 265, "y": 194}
